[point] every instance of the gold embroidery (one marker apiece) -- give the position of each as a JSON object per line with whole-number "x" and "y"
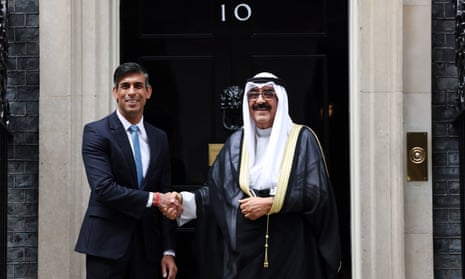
{"x": 283, "y": 180}
{"x": 286, "y": 166}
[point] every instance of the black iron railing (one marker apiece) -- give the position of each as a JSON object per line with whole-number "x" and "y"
{"x": 460, "y": 53}
{"x": 4, "y": 135}
{"x": 4, "y": 138}
{"x": 459, "y": 122}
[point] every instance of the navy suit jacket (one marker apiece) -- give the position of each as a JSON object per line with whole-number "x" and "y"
{"x": 116, "y": 206}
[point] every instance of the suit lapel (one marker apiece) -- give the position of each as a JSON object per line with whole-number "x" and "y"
{"x": 121, "y": 137}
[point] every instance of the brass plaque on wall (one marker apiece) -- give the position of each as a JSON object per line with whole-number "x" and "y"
{"x": 417, "y": 156}
{"x": 213, "y": 150}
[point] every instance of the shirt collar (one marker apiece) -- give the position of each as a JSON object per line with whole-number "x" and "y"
{"x": 127, "y": 124}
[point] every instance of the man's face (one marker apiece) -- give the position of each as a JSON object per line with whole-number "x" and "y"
{"x": 262, "y": 105}
{"x": 131, "y": 96}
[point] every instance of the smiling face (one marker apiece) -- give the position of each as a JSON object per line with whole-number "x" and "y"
{"x": 263, "y": 104}
{"x": 131, "y": 94}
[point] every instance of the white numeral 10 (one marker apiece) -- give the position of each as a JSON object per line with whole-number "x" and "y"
{"x": 243, "y": 6}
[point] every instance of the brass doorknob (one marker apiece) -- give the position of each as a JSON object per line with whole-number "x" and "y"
{"x": 417, "y": 155}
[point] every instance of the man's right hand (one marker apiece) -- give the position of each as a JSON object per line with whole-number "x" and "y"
{"x": 170, "y": 204}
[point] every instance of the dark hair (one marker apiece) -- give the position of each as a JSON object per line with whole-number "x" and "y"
{"x": 129, "y": 68}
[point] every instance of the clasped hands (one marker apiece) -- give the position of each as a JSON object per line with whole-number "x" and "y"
{"x": 169, "y": 204}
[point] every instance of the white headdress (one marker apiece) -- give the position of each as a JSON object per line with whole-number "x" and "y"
{"x": 267, "y": 173}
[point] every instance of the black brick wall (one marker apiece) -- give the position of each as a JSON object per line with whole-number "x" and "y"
{"x": 445, "y": 148}
{"x": 23, "y": 94}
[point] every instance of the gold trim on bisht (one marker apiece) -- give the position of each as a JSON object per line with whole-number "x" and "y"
{"x": 283, "y": 179}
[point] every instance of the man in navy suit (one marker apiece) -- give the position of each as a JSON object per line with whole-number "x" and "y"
{"x": 126, "y": 231}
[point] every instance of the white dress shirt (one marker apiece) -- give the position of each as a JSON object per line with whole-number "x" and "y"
{"x": 143, "y": 143}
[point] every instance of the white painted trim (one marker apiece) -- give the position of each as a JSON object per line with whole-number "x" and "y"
{"x": 79, "y": 49}
{"x": 354, "y": 114}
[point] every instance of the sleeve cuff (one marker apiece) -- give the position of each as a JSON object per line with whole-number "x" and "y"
{"x": 169, "y": 253}
{"x": 149, "y": 201}
{"x": 189, "y": 208}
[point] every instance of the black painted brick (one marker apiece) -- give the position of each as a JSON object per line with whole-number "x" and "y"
{"x": 455, "y": 274}
{"x": 26, "y": 271}
{"x": 24, "y": 123}
{"x": 17, "y": 20}
{"x": 439, "y": 159}
{"x": 27, "y": 93}
{"x": 445, "y": 83}
{"x": 437, "y": 10}
{"x": 446, "y": 230}
{"x": 451, "y": 70}
{"x": 446, "y": 201}
{"x": 28, "y": 63}
{"x": 32, "y": 49}
{"x": 439, "y": 98}
{"x": 32, "y": 20}
{"x": 453, "y": 187}
{"x": 445, "y": 173}
{"x": 15, "y": 255}
{"x": 444, "y": 144}
{"x": 16, "y": 196}
{"x": 32, "y": 78}
{"x": 17, "y": 49}
{"x": 17, "y": 108}
{"x": 26, "y": 6}
{"x": 23, "y": 93}
{"x": 442, "y": 215}
{"x": 26, "y": 34}
{"x": 453, "y": 158}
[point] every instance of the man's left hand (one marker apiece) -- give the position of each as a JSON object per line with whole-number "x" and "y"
{"x": 255, "y": 207}
{"x": 168, "y": 267}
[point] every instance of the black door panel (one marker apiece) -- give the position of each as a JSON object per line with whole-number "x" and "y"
{"x": 194, "y": 50}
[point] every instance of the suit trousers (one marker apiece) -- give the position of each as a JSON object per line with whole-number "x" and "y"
{"x": 133, "y": 265}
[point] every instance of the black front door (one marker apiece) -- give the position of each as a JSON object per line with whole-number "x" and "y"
{"x": 194, "y": 50}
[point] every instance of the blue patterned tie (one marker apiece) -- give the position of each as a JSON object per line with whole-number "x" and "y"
{"x": 135, "y": 142}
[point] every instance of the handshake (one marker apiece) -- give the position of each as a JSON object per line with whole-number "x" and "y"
{"x": 169, "y": 204}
